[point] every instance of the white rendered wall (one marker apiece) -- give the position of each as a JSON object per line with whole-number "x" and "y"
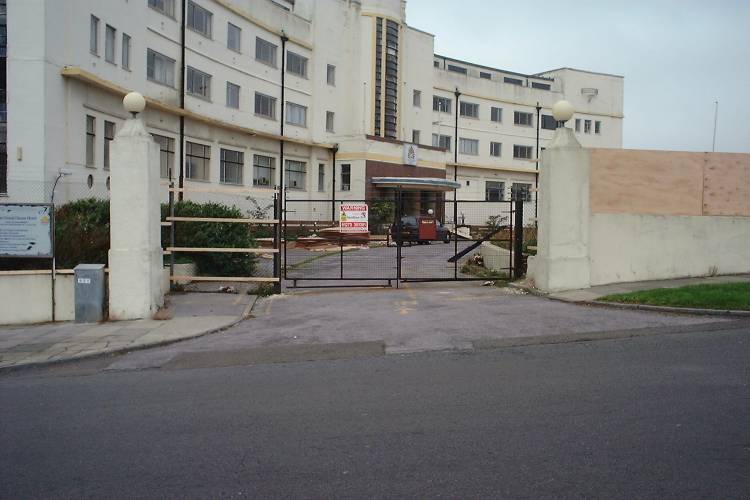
{"x": 630, "y": 247}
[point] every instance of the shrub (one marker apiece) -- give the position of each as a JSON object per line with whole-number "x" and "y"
{"x": 82, "y": 232}
{"x": 213, "y": 234}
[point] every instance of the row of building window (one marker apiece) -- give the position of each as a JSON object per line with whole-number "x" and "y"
{"x": 495, "y": 191}
{"x": 522, "y": 118}
{"x": 488, "y": 76}
{"x": 200, "y": 20}
{"x": 110, "y": 43}
{"x": 587, "y": 126}
{"x": 471, "y": 146}
{"x": 198, "y": 159}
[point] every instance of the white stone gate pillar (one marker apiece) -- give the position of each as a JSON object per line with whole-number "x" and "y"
{"x": 562, "y": 261}
{"x": 135, "y": 255}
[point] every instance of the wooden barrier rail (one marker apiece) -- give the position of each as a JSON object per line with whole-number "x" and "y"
{"x": 220, "y": 219}
{"x": 225, "y": 250}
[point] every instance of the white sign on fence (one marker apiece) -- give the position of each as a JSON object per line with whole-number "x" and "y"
{"x": 25, "y": 230}
{"x": 353, "y": 217}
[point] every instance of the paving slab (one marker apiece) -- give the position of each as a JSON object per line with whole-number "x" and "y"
{"x": 191, "y": 315}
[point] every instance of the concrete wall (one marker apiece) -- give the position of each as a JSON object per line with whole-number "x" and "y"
{"x": 34, "y": 305}
{"x": 646, "y": 215}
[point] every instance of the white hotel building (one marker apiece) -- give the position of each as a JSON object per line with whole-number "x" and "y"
{"x": 359, "y": 84}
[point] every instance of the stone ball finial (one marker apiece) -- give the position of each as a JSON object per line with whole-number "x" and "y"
{"x": 562, "y": 111}
{"x": 134, "y": 103}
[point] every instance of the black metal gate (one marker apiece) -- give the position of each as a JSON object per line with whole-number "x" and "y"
{"x": 411, "y": 238}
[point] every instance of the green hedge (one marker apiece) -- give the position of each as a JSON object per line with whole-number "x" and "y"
{"x": 213, "y": 234}
{"x": 82, "y": 234}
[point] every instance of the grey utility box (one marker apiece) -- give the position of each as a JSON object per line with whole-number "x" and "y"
{"x": 89, "y": 293}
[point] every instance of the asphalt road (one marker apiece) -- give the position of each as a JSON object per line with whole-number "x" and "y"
{"x": 665, "y": 416}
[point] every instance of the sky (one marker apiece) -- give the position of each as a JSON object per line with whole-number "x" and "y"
{"x": 677, "y": 56}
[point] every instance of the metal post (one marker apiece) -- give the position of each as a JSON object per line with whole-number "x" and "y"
{"x": 54, "y": 261}
{"x": 716, "y": 121}
{"x": 341, "y": 256}
{"x": 455, "y": 191}
{"x": 171, "y": 235}
{"x": 334, "y": 150}
{"x": 181, "y": 179}
{"x": 399, "y": 236}
{"x": 282, "y": 208}
{"x": 276, "y": 245}
{"x": 518, "y": 237}
{"x": 284, "y": 39}
{"x": 536, "y": 173}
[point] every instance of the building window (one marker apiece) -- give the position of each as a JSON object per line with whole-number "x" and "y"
{"x": 468, "y": 146}
{"x": 233, "y": 95}
{"x": 513, "y": 81}
{"x": 109, "y": 43}
{"x": 321, "y": 177}
{"x": 441, "y": 141}
{"x": 486, "y": 76}
{"x": 441, "y": 104}
{"x": 329, "y": 121}
{"x": 548, "y": 122}
{"x": 265, "y": 105}
{"x": 469, "y": 109}
{"x": 597, "y": 127}
{"x": 331, "y": 75}
{"x": 234, "y": 37}
{"x": 521, "y": 118}
{"x": 90, "y": 140}
{"x": 296, "y": 64}
{"x": 94, "y": 36}
{"x": 457, "y": 69}
{"x": 521, "y": 191}
{"x": 125, "y": 51}
{"x": 496, "y": 148}
{"x": 436, "y": 64}
{"x": 264, "y": 170}
{"x": 265, "y": 52}
{"x": 166, "y": 155}
{"x": 540, "y": 86}
{"x": 159, "y": 68}
{"x": 166, "y": 7}
{"x": 197, "y": 161}
{"x": 230, "y": 171}
{"x": 496, "y": 115}
{"x": 417, "y": 99}
{"x": 199, "y": 19}
{"x": 415, "y": 137}
{"x": 578, "y": 124}
{"x": 296, "y": 174}
{"x": 346, "y": 177}
{"x": 109, "y": 135}
{"x": 296, "y": 114}
{"x": 586, "y": 126}
{"x": 494, "y": 191}
{"x": 522, "y": 152}
{"x": 198, "y": 83}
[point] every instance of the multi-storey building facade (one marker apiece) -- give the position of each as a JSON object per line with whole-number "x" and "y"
{"x": 225, "y": 80}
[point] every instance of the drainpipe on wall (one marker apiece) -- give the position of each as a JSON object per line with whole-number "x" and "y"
{"x": 536, "y": 174}
{"x": 181, "y": 180}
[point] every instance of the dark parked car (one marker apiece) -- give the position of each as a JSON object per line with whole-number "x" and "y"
{"x": 411, "y": 234}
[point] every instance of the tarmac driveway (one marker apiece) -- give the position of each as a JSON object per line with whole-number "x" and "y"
{"x": 417, "y": 317}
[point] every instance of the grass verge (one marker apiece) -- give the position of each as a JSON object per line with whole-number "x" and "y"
{"x": 500, "y": 279}
{"x": 725, "y": 296}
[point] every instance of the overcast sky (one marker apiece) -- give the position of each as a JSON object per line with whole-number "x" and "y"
{"x": 677, "y": 56}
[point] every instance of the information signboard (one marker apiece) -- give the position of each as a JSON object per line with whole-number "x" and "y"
{"x": 26, "y": 230}
{"x": 353, "y": 217}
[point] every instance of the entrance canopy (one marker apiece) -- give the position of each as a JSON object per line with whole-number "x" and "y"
{"x": 416, "y": 183}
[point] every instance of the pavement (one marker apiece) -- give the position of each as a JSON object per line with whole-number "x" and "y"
{"x": 190, "y": 315}
{"x": 655, "y": 417}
